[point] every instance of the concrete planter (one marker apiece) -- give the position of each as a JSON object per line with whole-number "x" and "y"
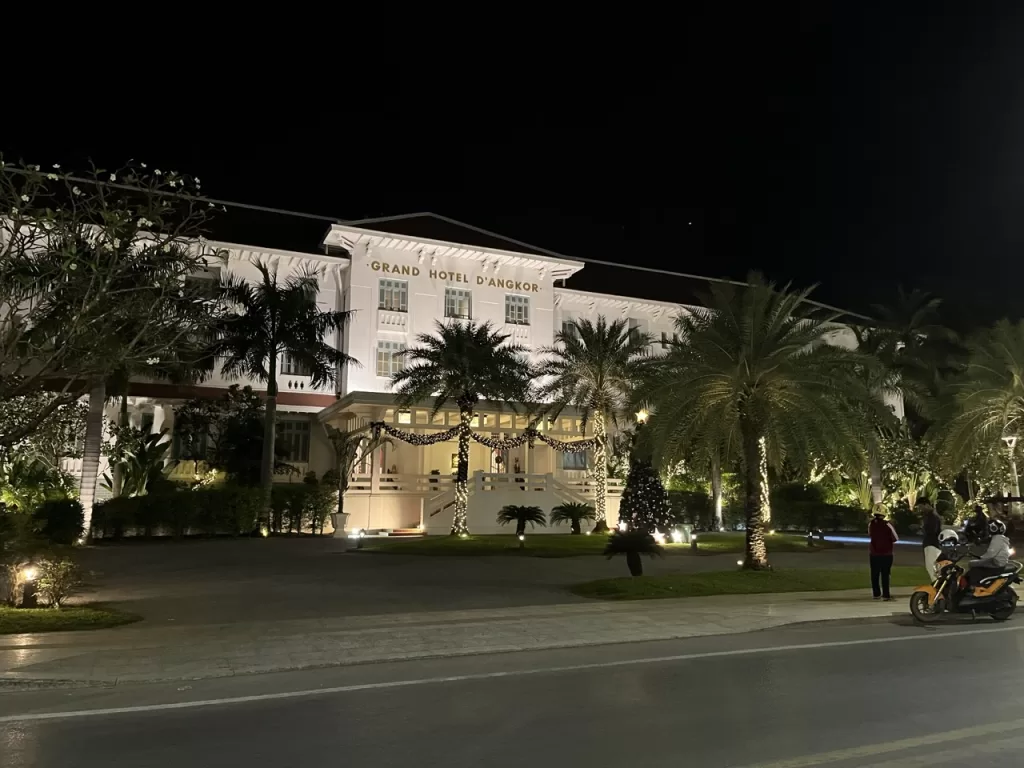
{"x": 340, "y": 523}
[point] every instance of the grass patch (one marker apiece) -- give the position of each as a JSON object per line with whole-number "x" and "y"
{"x": 564, "y": 545}
{"x": 735, "y": 541}
{"x": 741, "y": 583}
{"x": 69, "y": 619}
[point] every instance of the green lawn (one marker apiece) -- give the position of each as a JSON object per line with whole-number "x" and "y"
{"x": 741, "y": 583}
{"x": 17, "y": 620}
{"x": 564, "y": 545}
{"x": 723, "y": 543}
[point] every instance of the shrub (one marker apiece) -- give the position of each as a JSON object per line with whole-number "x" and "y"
{"x": 210, "y": 509}
{"x": 57, "y": 580}
{"x": 298, "y": 506}
{"x": 632, "y": 544}
{"x": 60, "y": 521}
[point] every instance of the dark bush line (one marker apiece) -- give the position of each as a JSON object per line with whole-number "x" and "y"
{"x": 213, "y": 510}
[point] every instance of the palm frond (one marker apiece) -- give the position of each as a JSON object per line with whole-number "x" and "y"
{"x": 572, "y": 512}
{"x": 521, "y": 515}
{"x": 625, "y": 542}
{"x": 463, "y": 363}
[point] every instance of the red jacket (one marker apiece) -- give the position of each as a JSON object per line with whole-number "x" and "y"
{"x": 883, "y": 536}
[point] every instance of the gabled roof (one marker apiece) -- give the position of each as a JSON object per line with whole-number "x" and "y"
{"x": 633, "y": 281}
{"x": 434, "y": 226}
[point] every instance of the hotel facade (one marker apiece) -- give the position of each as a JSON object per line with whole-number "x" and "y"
{"x": 398, "y": 283}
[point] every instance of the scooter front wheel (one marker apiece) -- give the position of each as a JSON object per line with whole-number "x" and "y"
{"x": 922, "y": 611}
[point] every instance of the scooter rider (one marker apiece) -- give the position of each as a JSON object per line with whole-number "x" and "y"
{"x": 996, "y": 557}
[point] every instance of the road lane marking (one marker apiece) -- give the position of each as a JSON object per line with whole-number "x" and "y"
{"x": 910, "y": 761}
{"x": 492, "y": 675}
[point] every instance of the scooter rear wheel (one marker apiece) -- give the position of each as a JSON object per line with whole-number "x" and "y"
{"x": 922, "y": 611}
{"x": 1004, "y": 613}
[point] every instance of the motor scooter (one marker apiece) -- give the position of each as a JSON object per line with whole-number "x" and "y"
{"x": 950, "y": 592}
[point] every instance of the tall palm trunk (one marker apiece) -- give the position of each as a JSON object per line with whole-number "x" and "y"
{"x": 269, "y": 435}
{"x": 600, "y": 472}
{"x": 460, "y": 520}
{"x": 716, "y": 490}
{"x": 756, "y": 554}
{"x": 117, "y": 479}
{"x": 91, "y": 453}
{"x": 876, "y": 478}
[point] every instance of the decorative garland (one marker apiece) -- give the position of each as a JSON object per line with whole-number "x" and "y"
{"x": 498, "y": 444}
{"x": 528, "y": 435}
{"x": 413, "y": 439}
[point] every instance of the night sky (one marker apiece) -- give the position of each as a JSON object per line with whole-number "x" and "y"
{"x": 855, "y": 145}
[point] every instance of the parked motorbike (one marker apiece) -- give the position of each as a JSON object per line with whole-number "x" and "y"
{"x": 950, "y": 592}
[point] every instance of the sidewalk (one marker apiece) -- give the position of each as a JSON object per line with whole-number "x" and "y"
{"x": 150, "y": 652}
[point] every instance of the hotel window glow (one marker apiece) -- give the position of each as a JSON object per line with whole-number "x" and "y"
{"x": 394, "y": 295}
{"x": 389, "y": 359}
{"x": 458, "y": 303}
{"x": 293, "y": 437}
{"x": 517, "y": 310}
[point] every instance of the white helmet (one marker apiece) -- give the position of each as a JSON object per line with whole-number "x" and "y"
{"x": 997, "y": 527}
{"x": 949, "y": 539}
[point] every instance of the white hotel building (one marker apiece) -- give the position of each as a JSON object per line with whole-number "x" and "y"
{"x": 397, "y": 285}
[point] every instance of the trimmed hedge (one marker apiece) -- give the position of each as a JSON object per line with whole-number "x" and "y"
{"x": 213, "y": 510}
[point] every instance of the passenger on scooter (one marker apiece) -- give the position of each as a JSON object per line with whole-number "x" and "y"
{"x": 996, "y": 557}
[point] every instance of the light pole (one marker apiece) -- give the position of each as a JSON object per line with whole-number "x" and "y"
{"x": 1011, "y": 442}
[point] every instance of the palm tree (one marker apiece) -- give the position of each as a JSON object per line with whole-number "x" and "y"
{"x": 349, "y": 447}
{"x": 632, "y": 544}
{"x": 574, "y": 513}
{"x": 593, "y": 368}
{"x": 521, "y": 515}
{"x": 464, "y": 363}
{"x": 754, "y": 365}
{"x": 987, "y": 398}
{"x": 269, "y": 318}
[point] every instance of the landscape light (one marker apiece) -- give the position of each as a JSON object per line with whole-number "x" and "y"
{"x": 589, "y": 532}
{"x": 29, "y": 573}
{"x": 771, "y": 532}
{"x": 739, "y": 562}
{"x": 693, "y": 537}
{"x": 522, "y": 537}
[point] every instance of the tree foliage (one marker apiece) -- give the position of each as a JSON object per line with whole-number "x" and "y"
{"x": 752, "y": 364}
{"x": 464, "y": 363}
{"x": 92, "y": 281}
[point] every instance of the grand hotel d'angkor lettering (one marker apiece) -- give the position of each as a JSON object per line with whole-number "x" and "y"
{"x": 407, "y": 270}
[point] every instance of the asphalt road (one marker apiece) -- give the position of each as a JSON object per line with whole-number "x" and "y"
{"x": 868, "y": 695}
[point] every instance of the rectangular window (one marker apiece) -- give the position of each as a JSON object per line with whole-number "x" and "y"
{"x": 292, "y": 367}
{"x": 517, "y": 310}
{"x": 458, "y": 303}
{"x": 634, "y": 328}
{"x": 389, "y": 359}
{"x": 205, "y": 284}
{"x": 394, "y": 295}
{"x": 664, "y": 340}
{"x": 574, "y": 461}
{"x": 293, "y": 437}
{"x": 569, "y": 329}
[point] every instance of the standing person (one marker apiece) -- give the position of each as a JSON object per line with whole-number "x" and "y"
{"x": 931, "y": 527}
{"x": 883, "y": 538}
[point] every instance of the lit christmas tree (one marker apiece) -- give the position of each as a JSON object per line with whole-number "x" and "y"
{"x": 644, "y": 505}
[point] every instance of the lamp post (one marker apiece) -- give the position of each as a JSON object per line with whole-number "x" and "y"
{"x": 1011, "y": 443}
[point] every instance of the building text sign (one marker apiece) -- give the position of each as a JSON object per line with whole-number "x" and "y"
{"x": 407, "y": 270}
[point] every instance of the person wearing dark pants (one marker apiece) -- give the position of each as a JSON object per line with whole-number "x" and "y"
{"x": 883, "y": 539}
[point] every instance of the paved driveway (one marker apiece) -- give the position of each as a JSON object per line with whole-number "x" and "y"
{"x": 203, "y": 582}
